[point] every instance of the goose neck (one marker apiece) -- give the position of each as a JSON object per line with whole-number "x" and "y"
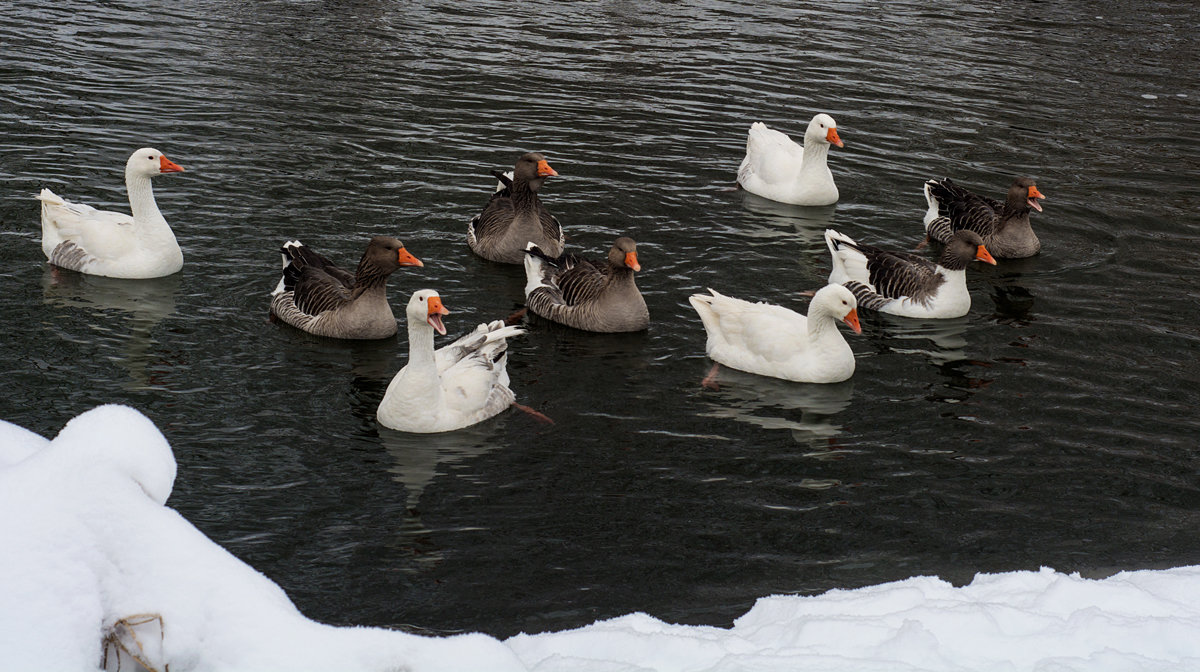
{"x": 820, "y": 323}
{"x": 141, "y": 200}
{"x": 420, "y": 345}
{"x": 816, "y": 155}
{"x": 955, "y": 260}
{"x": 369, "y": 275}
{"x": 524, "y": 195}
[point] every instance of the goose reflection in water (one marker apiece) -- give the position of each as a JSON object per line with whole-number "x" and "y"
{"x": 418, "y": 460}
{"x": 809, "y": 222}
{"x": 805, "y": 409}
{"x": 938, "y": 340}
{"x": 144, "y": 302}
{"x": 1013, "y": 301}
{"x": 942, "y": 343}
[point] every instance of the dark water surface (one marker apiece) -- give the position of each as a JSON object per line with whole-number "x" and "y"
{"x": 1055, "y": 425}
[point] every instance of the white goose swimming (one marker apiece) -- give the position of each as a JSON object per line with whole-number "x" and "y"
{"x": 777, "y": 168}
{"x": 773, "y": 341}
{"x": 81, "y": 238}
{"x": 903, "y": 284}
{"x": 453, "y": 387}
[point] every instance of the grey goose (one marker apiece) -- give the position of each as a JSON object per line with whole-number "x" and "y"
{"x": 1004, "y": 227}
{"x": 514, "y": 216}
{"x": 588, "y": 294}
{"x": 318, "y": 297}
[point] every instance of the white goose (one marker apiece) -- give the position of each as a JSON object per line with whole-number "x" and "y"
{"x": 453, "y": 387}
{"x": 777, "y": 168}
{"x": 81, "y": 238}
{"x": 773, "y": 341}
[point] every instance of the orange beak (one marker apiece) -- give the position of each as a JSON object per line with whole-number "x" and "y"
{"x": 166, "y": 165}
{"x": 1035, "y": 194}
{"x": 832, "y": 136}
{"x": 544, "y": 169}
{"x": 851, "y": 320}
{"x": 435, "y": 312}
{"x": 405, "y": 258}
{"x": 631, "y": 261}
{"x": 981, "y": 254}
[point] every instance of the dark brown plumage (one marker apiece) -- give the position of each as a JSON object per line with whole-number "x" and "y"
{"x": 514, "y": 216}
{"x": 594, "y": 295}
{"x": 318, "y": 297}
{"x": 1004, "y": 227}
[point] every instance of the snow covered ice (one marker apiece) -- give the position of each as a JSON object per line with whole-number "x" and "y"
{"x": 88, "y": 544}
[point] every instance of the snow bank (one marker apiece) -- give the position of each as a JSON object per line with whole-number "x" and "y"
{"x": 89, "y": 551}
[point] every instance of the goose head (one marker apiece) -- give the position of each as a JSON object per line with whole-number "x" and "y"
{"x": 966, "y": 246}
{"x": 148, "y": 162}
{"x": 823, "y": 128}
{"x": 623, "y": 254}
{"x": 838, "y": 303}
{"x": 388, "y": 254}
{"x": 1024, "y": 194}
{"x": 425, "y": 307}
{"x": 534, "y": 169}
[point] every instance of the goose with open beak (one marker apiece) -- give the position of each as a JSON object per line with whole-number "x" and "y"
{"x": 454, "y": 386}
{"x": 1004, "y": 227}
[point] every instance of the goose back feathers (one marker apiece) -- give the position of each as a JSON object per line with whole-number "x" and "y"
{"x": 771, "y": 340}
{"x": 904, "y": 284}
{"x": 589, "y": 294}
{"x": 318, "y": 297}
{"x": 514, "y": 216}
{"x": 1004, "y": 227}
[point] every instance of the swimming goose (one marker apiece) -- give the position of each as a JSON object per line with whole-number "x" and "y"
{"x": 905, "y": 284}
{"x": 454, "y": 386}
{"x": 1004, "y": 227}
{"x": 322, "y": 299}
{"x": 773, "y": 341}
{"x": 81, "y": 238}
{"x": 515, "y": 216}
{"x": 587, "y": 294}
{"x": 777, "y": 168}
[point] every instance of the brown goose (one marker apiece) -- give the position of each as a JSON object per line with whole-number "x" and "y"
{"x": 587, "y": 294}
{"x": 515, "y": 216}
{"x": 904, "y": 284}
{"x": 322, "y": 299}
{"x": 1004, "y": 227}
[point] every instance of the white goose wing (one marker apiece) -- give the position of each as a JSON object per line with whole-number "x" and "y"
{"x": 771, "y": 156}
{"x": 480, "y": 338}
{"x": 745, "y": 332}
{"x": 473, "y": 371}
{"x": 92, "y": 234}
